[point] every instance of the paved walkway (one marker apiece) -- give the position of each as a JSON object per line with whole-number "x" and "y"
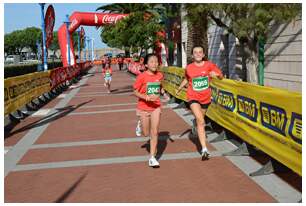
{"x": 81, "y": 147}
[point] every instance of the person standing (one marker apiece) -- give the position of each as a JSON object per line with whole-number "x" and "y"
{"x": 198, "y": 74}
{"x": 120, "y": 62}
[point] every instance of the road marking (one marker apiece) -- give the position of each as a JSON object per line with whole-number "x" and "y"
{"x": 108, "y": 111}
{"x": 108, "y": 105}
{"x": 103, "y": 95}
{"x": 23, "y": 145}
{"x": 107, "y": 141}
{"x": 41, "y": 112}
{"x": 62, "y": 96}
{"x": 104, "y": 161}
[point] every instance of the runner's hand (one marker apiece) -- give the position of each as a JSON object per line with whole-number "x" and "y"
{"x": 213, "y": 74}
{"x": 153, "y": 98}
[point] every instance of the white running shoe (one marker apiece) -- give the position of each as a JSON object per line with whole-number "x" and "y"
{"x": 153, "y": 162}
{"x": 205, "y": 154}
{"x": 138, "y": 129}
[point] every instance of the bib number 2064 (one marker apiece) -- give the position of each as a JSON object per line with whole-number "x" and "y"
{"x": 153, "y": 88}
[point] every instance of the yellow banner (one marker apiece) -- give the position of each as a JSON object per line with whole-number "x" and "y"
{"x": 173, "y": 76}
{"x": 20, "y": 90}
{"x": 268, "y": 118}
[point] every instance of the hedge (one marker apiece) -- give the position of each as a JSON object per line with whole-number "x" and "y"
{"x": 16, "y": 70}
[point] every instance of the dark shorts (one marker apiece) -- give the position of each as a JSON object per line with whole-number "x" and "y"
{"x": 203, "y": 106}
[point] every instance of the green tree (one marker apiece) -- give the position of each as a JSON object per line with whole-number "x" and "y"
{"x": 141, "y": 35}
{"x": 30, "y": 36}
{"x": 197, "y": 17}
{"x": 15, "y": 41}
{"x": 251, "y": 23}
{"x": 136, "y": 31}
{"x": 9, "y": 44}
{"x": 54, "y": 44}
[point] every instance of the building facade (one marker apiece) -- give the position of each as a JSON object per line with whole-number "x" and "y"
{"x": 282, "y": 53}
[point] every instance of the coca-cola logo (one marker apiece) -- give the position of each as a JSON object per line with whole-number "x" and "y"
{"x": 111, "y": 19}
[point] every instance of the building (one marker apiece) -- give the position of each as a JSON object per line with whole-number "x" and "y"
{"x": 282, "y": 53}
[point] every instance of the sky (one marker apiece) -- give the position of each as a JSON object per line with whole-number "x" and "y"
{"x": 18, "y": 16}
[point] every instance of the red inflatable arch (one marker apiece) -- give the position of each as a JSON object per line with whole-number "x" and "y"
{"x": 82, "y": 18}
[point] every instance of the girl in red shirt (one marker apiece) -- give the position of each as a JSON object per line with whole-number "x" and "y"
{"x": 147, "y": 88}
{"x": 198, "y": 75}
{"x": 107, "y": 73}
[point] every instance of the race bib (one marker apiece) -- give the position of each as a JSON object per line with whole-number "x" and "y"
{"x": 200, "y": 83}
{"x": 107, "y": 74}
{"x": 153, "y": 88}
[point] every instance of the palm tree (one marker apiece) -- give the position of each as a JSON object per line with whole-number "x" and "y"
{"x": 197, "y": 17}
{"x": 156, "y": 10}
{"x": 130, "y": 8}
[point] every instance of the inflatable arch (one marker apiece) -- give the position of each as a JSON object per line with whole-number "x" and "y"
{"x": 82, "y": 18}
{"x": 96, "y": 19}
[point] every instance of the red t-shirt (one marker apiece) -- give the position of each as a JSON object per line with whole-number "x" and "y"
{"x": 198, "y": 81}
{"x": 120, "y": 60}
{"x": 148, "y": 84}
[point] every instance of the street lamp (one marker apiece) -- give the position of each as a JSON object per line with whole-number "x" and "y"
{"x": 85, "y": 37}
{"x": 67, "y": 22}
{"x": 79, "y": 44}
{"x": 92, "y": 49}
{"x": 42, "y": 5}
{"x": 88, "y": 45}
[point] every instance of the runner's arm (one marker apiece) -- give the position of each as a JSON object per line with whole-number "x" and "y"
{"x": 216, "y": 72}
{"x": 183, "y": 84}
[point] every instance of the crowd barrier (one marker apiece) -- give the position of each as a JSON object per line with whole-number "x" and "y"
{"x": 21, "y": 90}
{"x": 135, "y": 68}
{"x": 268, "y": 118}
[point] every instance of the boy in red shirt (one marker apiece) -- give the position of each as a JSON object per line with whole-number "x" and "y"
{"x": 198, "y": 75}
{"x": 147, "y": 88}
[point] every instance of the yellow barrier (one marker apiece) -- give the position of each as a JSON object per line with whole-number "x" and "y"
{"x": 268, "y": 118}
{"x": 20, "y": 90}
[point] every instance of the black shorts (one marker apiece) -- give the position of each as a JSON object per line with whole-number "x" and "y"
{"x": 203, "y": 106}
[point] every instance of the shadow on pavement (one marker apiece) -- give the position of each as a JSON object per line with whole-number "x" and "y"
{"x": 121, "y": 90}
{"x": 161, "y": 145}
{"x": 71, "y": 189}
{"x": 195, "y": 141}
{"x": 61, "y": 112}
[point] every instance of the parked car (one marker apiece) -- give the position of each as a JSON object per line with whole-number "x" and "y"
{"x": 13, "y": 59}
{"x": 110, "y": 55}
{"x": 9, "y": 58}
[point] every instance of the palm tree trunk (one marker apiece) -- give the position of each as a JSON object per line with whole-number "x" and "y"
{"x": 197, "y": 35}
{"x": 252, "y": 63}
